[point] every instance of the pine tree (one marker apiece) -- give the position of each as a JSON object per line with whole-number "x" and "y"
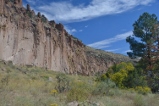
{"x": 144, "y": 42}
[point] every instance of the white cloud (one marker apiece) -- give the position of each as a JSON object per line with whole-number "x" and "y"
{"x": 70, "y": 30}
{"x": 107, "y": 42}
{"x": 73, "y": 30}
{"x": 127, "y": 51}
{"x": 80, "y": 30}
{"x": 86, "y": 26}
{"x": 67, "y": 12}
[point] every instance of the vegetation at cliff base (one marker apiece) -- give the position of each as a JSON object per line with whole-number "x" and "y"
{"x": 126, "y": 76}
{"x": 33, "y": 86}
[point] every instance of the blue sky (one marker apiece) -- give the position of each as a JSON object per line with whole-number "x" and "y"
{"x": 102, "y": 24}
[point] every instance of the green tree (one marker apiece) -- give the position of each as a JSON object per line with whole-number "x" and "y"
{"x": 135, "y": 78}
{"x": 144, "y": 42}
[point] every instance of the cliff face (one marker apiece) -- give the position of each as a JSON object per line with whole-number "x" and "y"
{"x": 29, "y": 39}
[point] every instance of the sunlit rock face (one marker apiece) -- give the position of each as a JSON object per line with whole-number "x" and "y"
{"x": 30, "y": 39}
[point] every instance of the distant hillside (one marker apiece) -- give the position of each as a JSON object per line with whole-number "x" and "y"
{"x": 107, "y": 55}
{"x": 27, "y": 38}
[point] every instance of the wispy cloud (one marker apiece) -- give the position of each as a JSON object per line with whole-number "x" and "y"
{"x": 105, "y": 43}
{"x": 70, "y": 30}
{"x": 67, "y": 12}
{"x": 31, "y": 1}
{"x": 86, "y": 26}
{"x": 127, "y": 51}
{"x": 112, "y": 50}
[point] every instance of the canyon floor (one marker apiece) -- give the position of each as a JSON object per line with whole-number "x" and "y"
{"x": 33, "y": 86}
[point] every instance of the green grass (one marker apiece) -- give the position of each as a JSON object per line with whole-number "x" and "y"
{"x": 33, "y": 86}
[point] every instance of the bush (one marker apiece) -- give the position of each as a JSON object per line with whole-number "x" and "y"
{"x": 79, "y": 91}
{"x": 125, "y": 75}
{"x": 53, "y": 92}
{"x": 63, "y": 83}
{"x": 154, "y": 83}
{"x": 138, "y": 101}
{"x": 119, "y": 72}
{"x": 103, "y": 87}
{"x": 143, "y": 90}
{"x": 135, "y": 78}
{"x": 54, "y": 104}
{"x": 103, "y": 77}
{"x": 119, "y": 77}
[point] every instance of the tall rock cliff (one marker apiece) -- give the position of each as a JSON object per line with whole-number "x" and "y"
{"x": 30, "y": 39}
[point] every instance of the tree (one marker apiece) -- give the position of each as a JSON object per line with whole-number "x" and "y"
{"x": 144, "y": 42}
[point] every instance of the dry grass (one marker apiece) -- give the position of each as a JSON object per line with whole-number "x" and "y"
{"x": 32, "y": 86}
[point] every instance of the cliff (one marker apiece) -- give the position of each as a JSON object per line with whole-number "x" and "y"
{"x": 30, "y": 39}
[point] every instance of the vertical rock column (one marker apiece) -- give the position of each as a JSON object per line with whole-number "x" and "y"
{"x": 1, "y": 6}
{"x": 18, "y": 3}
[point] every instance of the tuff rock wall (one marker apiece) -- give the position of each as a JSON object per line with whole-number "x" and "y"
{"x": 30, "y": 39}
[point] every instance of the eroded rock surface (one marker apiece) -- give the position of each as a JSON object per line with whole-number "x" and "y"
{"x": 30, "y": 39}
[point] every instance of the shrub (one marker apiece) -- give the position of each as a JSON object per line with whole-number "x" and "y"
{"x": 63, "y": 83}
{"x": 143, "y": 90}
{"x": 119, "y": 77}
{"x": 119, "y": 72}
{"x": 135, "y": 78}
{"x": 29, "y": 14}
{"x": 154, "y": 83}
{"x": 44, "y": 19}
{"x": 79, "y": 91}
{"x": 125, "y": 75}
{"x": 103, "y": 77}
{"x": 103, "y": 87}
{"x": 138, "y": 101}
{"x": 53, "y": 92}
{"x": 54, "y": 104}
